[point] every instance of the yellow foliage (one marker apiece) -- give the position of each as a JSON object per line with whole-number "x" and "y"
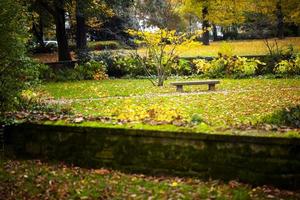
{"x": 134, "y": 112}
{"x": 100, "y": 75}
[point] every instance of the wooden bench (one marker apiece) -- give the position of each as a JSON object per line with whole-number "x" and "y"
{"x": 211, "y": 84}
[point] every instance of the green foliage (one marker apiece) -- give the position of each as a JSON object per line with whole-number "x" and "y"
{"x": 241, "y": 194}
{"x": 286, "y": 117}
{"x": 235, "y": 67}
{"x": 104, "y": 45}
{"x": 93, "y": 70}
{"x": 89, "y": 71}
{"x": 16, "y": 71}
{"x": 109, "y": 59}
{"x": 132, "y": 65}
{"x": 196, "y": 119}
{"x": 135, "y": 65}
{"x": 119, "y": 65}
{"x": 181, "y": 67}
{"x": 276, "y": 55}
{"x": 289, "y": 67}
{"x": 20, "y": 74}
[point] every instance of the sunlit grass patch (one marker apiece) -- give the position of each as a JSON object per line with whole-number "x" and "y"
{"x": 236, "y": 103}
{"x": 239, "y": 47}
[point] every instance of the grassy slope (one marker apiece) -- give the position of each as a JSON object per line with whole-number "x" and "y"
{"x": 235, "y": 103}
{"x": 37, "y": 180}
{"x": 239, "y": 47}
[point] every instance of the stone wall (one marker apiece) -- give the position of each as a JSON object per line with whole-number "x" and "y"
{"x": 256, "y": 160}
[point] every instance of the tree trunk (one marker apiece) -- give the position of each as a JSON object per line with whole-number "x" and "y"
{"x": 280, "y": 20}
{"x": 235, "y": 31}
{"x": 161, "y": 80}
{"x": 190, "y": 24}
{"x": 61, "y": 34}
{"x": 81, "y": 33}
{"x": 205, "y": 26}
{"x": 38, "y": 32}
{"x": 215, "y": 34}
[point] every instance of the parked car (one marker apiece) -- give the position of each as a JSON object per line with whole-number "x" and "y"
{"x": 51, "y": 43}
{"x": 50, "y": 46}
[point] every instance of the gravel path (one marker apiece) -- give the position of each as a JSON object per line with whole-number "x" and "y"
{"x": 174, "y": 94}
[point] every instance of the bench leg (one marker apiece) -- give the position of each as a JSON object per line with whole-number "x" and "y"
{"x": 212, "y": 87}
{"x": 179, "y": 88}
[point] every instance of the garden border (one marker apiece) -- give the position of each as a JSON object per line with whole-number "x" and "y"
{"x": 255, "y": 160}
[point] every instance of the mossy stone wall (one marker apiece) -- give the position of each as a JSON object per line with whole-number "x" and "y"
{"x": 256, "y": 160}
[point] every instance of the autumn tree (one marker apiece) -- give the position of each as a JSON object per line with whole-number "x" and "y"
{"x": 93, "y": 14}
{"x": 157, "y": 32}
{"x": 279, "y": 12}
{"x": 201, "y": 9}
{"x": 224, "y": 13}
{"x": 158, "y": 13}
{"x": 40, "y": 22}
{"x": 56, "y": 8}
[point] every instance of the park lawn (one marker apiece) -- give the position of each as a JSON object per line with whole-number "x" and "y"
{"x": 239, "y": 47}
{"x": 236, "y": 103}
{"x": 38, "y": 180}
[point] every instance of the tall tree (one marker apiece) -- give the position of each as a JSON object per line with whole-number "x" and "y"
{"x": 94, "y": 13}
{"x": 226, "y": 13}
{"x": 280, "y": 20}
{"x": 160, "y": 13}
{"x": 205, "y": 25}
{"x": 56, "y": 8}
{"x": 279, "y": 12}
{"x": 81, "y": 32}
{"x": 201, "y": 10}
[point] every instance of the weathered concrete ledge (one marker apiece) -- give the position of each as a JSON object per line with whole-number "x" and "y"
{"x": 256, "y": 160}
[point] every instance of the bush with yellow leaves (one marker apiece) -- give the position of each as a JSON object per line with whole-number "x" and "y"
{"x": 161, "y": 48}
{"x": 223, "y": 66}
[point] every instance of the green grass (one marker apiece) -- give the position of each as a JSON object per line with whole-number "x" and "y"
{"x": 236, "y": 103}
{"x": 38, "y": 180}
{"x": 238, "y": 47}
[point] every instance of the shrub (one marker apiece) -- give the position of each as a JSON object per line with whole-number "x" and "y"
{"x": 119, "y": 65}
{"x": 276, "y": 55}
{"x": 235, "y": 67}
{"x": 213, "y": 69}
{"x": 286, "y": 117}
{"x": 134, "y": 65}
{"x": 17, "y": 76}
{"x": 181, "y": 67}
{"x": 196, "y": 119}
{"x": 289, "y": 67}
{"x": 240, "y": 67}
{"x": 104, "y": 45}
{"x": 91, "y": 70}
{"x": 17, "y": 71}
{"x": 113, "y": 69}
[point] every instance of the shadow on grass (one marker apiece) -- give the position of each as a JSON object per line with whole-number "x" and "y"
{"x": 289, "y": 116}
